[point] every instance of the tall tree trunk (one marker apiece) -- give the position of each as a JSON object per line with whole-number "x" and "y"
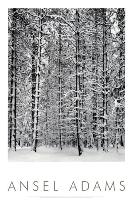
{"x": 96, "y": 63}
{"x": 82, "y": 90}
{"x": 37, "y": 87}
{"x": 104, "y": 82}
{"x": 13, "y": 83}
{"x": 60, "y": 91}
{"x": 77, "y": 83}
{"x": 121, "y": 76}
{"x": 33, "y": 84}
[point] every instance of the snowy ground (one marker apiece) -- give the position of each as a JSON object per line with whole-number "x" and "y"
{"x": 44, "y": 154}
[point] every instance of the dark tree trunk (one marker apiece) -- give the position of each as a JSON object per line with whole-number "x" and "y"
{"x": 37, "y": 84}
{"x": 121, "y": 76}
{"x": 60, "y": 91}
{"x": 33, "y": 84}
{"x": 12, "y": 134}
{"x": 104, "y": 82}
{"x": 96, "y": 63}
{"x": 77, "y": 84}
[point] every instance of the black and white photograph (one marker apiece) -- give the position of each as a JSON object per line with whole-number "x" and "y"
{"x": 66, "y": 84}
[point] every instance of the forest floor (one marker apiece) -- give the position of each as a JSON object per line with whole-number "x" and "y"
{"x": 45, "y": 154}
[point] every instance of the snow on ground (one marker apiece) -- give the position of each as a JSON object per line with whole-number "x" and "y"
{"x": 44, "y": 154}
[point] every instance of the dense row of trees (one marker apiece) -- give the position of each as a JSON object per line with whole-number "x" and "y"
{"x": 66, "y": 78}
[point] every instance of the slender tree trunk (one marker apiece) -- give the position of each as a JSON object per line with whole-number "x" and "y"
{"x": 60, "y": 91}
{"x": 104, "y": 82}
{"x": 82, "y": 90}
{"x": 37, "y": 88}
{"x": 13, "y": 85}
{"x": 77, "y": 84}
{"x": 47, "y": 103}
{"x": 96, "y": 79}
{"x": 46, "y": 138}
{"x": 121, "y": 76}
{"x": 33, "y": 84}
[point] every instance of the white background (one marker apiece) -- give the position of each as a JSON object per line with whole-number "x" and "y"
{"x": 65, "y": 172}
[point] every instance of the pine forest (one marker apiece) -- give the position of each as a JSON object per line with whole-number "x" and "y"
{"x": 66, "y": 81}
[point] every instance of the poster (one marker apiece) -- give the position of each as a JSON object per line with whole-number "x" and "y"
{"x": 64, "y": 132}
